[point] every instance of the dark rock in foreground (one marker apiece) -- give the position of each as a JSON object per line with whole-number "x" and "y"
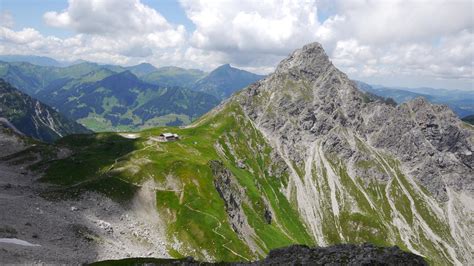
{"x": 343, "y": 254}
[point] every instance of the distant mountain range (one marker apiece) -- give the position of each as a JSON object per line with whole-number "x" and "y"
{"x": 461, "y": 102}
{"x": 33, "y": 118}
{"x": 116, "y": 98}
{"x": 32, "y": 59}
{"x": 121, "y": 101}
{"x": 77, "y": 91}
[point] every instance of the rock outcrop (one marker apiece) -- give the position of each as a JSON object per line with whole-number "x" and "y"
{"x": 231, "y": 193}
{"x": 345, "y": 254}
{"x": 234, "y": 197}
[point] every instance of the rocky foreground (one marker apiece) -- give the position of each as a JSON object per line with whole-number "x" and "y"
{"x": 344, "y": 254}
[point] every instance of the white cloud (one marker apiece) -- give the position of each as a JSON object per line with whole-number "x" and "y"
{"x": 119, "y": 19}
{"x": 107, "y": 31}
{"x": 252, "y": 32}
{"x": 364, "y": 38}
{"x": 450, "y": 58}
{"x": 25, "y": 36}
{"x": 378, "y": 22}
{"x": 416, "y": 40}
{"x": 108, "y": 17}
{"x": 376, "y": 39}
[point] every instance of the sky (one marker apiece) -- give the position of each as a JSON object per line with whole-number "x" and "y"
{"x": 405, "y": 43}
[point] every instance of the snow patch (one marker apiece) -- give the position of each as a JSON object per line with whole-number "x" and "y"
{"x": 17, "y": 241}
{"x": 129, "y": 135}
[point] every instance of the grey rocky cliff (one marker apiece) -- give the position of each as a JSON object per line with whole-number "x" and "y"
{"x": 429, "y": 139}
{"x": 231, "y": 193}
{"x": 33, "y": 118}
{"x": 307, "y": 98}
{"x": 234, "y": 197}
{"x": 326, "y": 130}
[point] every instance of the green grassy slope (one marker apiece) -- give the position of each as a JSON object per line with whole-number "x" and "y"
{"x": 106, "y": 101}
{"x": 351, "y": 209}
{"x": 186, "y": 196}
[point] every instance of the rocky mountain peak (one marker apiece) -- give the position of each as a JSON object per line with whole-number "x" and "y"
{"x": 125, "y": 76}
{"x": 224, "y": 66}
{"x": 310, "y": 62}
{"x": 142, "y": 69}
{"x": 325, "y": 129}
{"x": 308, "y": 101}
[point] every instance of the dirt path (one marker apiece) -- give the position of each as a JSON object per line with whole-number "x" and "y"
{"x": 216, "y": 232}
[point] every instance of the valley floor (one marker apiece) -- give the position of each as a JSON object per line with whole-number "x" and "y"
{"x": 89, "y": 229}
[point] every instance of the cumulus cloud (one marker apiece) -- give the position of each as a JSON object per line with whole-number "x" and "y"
{"x": 364, "y": 38}
{"x": 119, "y": 19}
{"x": 451, "y": 58}
{"x": 274, "y": 27}
{"x": 108, "y": 17}
{"x": 378, "y": 22}
{"x": 374, "y": 39}
{"x": 107, "y": 31}
{"x": 252, "y": 33}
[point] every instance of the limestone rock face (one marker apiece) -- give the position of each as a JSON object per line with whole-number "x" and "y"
{"x": 431, "y": 142}
{"x": 234, "y": 196}
{"x": 341, "y": 147}
{"x": 307, "y": 98}
{"x": 231, "y": 193}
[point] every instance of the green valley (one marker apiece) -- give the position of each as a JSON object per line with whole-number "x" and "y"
{"x": 120, "y": 101}
{"x": 116, "y": 98}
